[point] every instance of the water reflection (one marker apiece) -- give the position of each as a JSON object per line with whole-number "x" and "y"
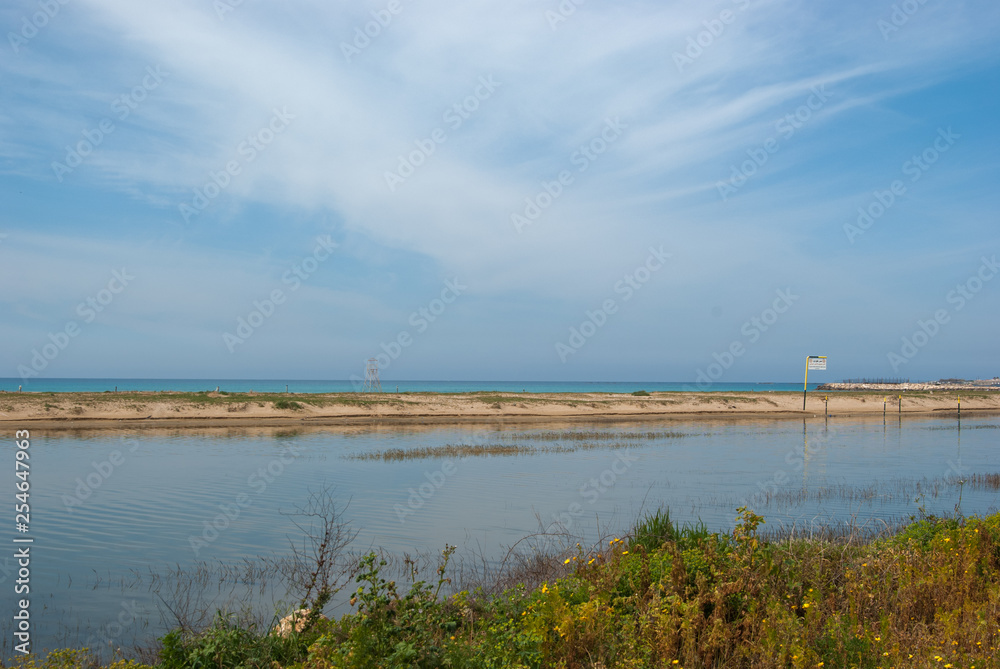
{"x": 180, "y": 497}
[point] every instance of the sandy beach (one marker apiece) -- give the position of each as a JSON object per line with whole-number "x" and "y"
{"x": 176, "y": 409}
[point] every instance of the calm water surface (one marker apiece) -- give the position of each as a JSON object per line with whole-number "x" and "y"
{"x": 111, "y": 510}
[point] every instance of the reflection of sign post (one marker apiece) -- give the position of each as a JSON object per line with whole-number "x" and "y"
{"x": 817, "y": 362}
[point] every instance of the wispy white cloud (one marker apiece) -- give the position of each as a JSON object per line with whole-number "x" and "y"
{"x": 354, "y": 117}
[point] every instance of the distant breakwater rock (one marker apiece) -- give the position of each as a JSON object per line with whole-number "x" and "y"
{"x": 993, "y": 384}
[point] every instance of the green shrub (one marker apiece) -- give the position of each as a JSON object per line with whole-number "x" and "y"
{"x": 670, "y": 597}
{"x": 654, "y": 530}
{"x": 227, "y": 644}
{"x": 70, "y": 659}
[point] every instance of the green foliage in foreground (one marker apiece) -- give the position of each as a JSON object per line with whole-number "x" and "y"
{"x": 668, "y": 596}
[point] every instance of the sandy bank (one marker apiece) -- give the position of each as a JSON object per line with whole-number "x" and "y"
{"x": 25, "y": 410}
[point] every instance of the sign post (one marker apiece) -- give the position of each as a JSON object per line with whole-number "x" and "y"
{"x": 812, "y": 362}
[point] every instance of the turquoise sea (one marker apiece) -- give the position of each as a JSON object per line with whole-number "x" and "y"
{"x": 347, "y": 386}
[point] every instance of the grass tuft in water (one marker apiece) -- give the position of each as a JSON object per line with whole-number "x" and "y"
{"x": 589, "y": 435}
{"x": 482, "y": 450}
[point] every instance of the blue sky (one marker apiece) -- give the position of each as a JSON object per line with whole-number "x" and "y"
{"x": 506, "y": 190}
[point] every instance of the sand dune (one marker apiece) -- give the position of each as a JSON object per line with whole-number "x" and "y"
{"x": 20, "y": 410}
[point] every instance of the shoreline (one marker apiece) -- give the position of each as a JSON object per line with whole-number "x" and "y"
{"x": 148, "y": 409}
{"x": 972, "y": 386}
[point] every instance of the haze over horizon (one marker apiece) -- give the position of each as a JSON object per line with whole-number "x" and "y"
{"x": 529, "y": 191}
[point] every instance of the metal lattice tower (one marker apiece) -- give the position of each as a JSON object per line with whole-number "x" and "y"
{"x": 372, "y": 384}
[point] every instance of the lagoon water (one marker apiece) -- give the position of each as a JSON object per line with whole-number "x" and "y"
{"x": 106, "y": 536}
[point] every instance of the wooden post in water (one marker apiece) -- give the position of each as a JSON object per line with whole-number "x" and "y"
{"x": 900, "y": 404}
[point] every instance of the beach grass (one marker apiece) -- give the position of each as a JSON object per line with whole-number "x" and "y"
{"x": 485, "y": 450}
{"x": 590, "y": 435}
{"x": 924, "y": 595}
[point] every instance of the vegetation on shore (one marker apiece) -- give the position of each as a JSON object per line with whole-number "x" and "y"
{"x": 664, "y": 596}
{"x": 565, "y": 442}
{"x": 167, "y": 405}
